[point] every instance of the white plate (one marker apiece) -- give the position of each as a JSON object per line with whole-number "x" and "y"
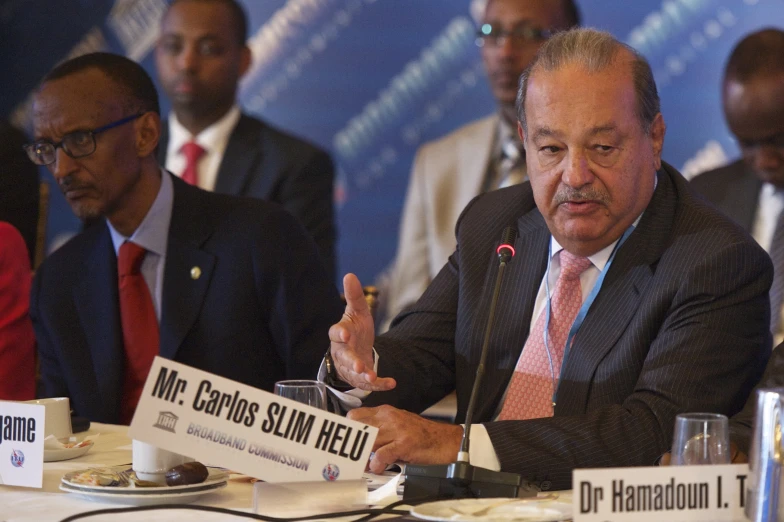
{"x": 545, "y": 508}
{"x": 217, "y": 479}
{"x": 54, "y": 455}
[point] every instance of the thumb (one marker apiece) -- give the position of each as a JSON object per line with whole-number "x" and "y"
{"x": 355, "y": 296}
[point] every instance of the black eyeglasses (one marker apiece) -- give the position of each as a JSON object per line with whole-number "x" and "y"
{"x": 77, "y": 144}
{"x": 493, "y": 35}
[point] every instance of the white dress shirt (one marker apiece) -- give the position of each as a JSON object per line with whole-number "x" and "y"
{"x": 214, "y": 140}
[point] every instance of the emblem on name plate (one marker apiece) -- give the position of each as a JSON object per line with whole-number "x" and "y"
{"x": 330, "y": 472}
{"x": 17, "y": 458}
{"x": 167, "y": 421}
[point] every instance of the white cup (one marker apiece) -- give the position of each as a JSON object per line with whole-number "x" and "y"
{"x": 58, "y": 416}
{"x": 151, "y": 462}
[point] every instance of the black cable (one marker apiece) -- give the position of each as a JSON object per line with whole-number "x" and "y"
{"x": 390, "y": 509}
{"x": 224, "y": 511}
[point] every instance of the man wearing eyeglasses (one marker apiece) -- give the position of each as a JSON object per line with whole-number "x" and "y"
{"x": 751, "y": 189}
{"x": 629, "y": 300}
{"x": 483, "y": 155}
{"x": 231, "y": 285}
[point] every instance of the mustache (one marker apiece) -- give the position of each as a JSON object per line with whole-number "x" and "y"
{"x": 67, "y": 183}
{"x": 569, "y": 194}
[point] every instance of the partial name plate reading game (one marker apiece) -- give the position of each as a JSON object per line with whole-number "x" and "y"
{"x": 222, "y": 422}
{"x": 713, "y": 493}
{"x": 22, "y": 444}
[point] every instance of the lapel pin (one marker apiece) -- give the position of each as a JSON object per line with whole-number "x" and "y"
{"x": 195, "y": 273}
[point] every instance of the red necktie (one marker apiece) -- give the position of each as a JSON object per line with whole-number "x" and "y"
{"x": 139, "y": 326}
{"x": 193, "y": 152}
{"x": 531, "y": 389}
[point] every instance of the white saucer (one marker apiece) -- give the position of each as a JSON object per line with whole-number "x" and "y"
{"x": 217, "y": 479}
{"x": 54, "y": 455}
{"x": 546, "y": 508}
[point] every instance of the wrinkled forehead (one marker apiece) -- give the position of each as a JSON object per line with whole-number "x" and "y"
{"x": 83, "y": 100}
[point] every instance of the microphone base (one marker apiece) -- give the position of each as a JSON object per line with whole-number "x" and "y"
{"x": 462, "y": 480}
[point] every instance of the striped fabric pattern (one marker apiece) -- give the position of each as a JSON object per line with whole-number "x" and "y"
{"x": 681, "y": 324}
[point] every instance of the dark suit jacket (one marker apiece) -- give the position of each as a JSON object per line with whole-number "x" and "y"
{"x": 680, "y": 324}
{"x": 265, "y": 163}
{"x": 734, "y": 189}
{"x": 259, "y": 313}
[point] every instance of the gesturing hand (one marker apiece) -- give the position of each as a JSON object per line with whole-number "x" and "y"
{"x": 351, "y": 341}
{"x": 406, "y": 437}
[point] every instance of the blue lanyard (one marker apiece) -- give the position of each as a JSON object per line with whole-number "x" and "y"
{"x": 578, "y": 321}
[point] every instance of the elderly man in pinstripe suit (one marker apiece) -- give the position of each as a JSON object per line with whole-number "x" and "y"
{"x": 630, "y": 299}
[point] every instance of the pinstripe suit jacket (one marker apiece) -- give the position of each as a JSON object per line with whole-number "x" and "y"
{"x": 680, "y": 324}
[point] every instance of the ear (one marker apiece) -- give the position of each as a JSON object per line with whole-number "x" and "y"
{"x": 658, "y": 129}
{"x": 521, "y": 132}
{"x": 246, "y": 59}
{"x": 148, "y": 132}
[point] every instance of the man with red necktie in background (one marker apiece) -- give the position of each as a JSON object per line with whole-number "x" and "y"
{"x": 200, "y": 57}
{"x": 233, "y": 286}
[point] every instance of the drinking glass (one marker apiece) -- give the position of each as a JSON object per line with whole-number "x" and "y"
{"x": 700, "y": 438}
{"x": 312, "y": 393}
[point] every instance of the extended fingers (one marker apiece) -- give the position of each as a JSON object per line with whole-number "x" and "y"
{"x": 339, "y": 333}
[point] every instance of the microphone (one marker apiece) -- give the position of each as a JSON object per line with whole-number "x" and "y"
{"x": 461, "y": 479}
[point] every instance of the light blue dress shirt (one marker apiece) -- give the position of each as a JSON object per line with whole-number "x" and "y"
{"x": 152, "y": 234}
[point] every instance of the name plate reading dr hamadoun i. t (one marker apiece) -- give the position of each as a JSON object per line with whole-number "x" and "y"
{"x": 222, "y": 422}
{"x": 671, "y": 493}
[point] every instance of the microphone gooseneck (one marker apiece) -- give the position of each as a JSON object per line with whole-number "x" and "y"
{"x": 505, "y": 253}
{"x": 461, "y": 479}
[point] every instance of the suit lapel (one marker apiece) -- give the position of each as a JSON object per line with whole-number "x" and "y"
{"x": 522, "y": 278}
{"x": 188, "y": 269}
{"x": 627, "y": 281}
{"x": 97, "y": 304}
{"x": 243, "y": 155}
{"x": 746, "y": 199}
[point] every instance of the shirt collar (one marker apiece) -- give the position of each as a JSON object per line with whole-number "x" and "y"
{"x": 771, "y": 192}
{"x": 600, "y": 258}
{"x": 209, "y": 138}
{"x": 153, "y": 231}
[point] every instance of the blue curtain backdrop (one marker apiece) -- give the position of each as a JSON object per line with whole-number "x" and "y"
{"x": 371, "y": 80}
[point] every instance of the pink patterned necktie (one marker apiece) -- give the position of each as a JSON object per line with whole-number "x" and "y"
{"x": 193, "y": 153}
{"x": 531, "y": 390}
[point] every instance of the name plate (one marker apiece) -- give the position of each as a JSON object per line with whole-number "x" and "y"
{"x": 225, "y": 423}
{"x": 671, "y": 493}
{"x": 21, "y": 444}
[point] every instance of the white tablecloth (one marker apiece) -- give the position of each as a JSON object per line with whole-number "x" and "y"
{"x": 112, "y": 448}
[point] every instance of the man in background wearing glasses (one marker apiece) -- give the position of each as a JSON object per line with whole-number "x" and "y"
{"x": 751, "y": 189}
{"x": 229, "y": 285}
{"x": 483, "y": 155}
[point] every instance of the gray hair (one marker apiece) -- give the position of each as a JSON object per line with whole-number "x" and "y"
{"x": 595, "y": 51}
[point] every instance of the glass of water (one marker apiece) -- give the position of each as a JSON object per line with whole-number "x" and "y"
{"x": 312, "y": 393}
{"x": 700, "y": 438}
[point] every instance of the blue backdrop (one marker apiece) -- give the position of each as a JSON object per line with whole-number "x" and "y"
{"x": 371, "y": 80}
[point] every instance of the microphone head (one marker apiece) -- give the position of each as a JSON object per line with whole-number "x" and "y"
{"x": 506, "y": 249}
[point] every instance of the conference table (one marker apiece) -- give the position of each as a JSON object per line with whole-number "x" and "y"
{"x": 112, "y": 447}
